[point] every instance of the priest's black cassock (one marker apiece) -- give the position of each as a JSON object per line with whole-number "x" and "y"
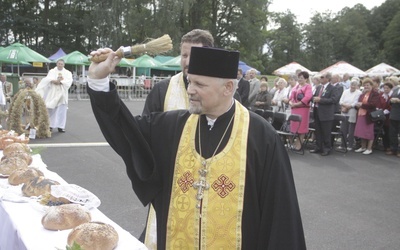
{"x": 156, "y": 98}
{"x": 147, "y": 144}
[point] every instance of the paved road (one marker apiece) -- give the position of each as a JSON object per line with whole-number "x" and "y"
{"x": 347, "y": 201}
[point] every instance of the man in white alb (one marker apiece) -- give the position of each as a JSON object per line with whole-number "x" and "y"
{"x": 54, "y": 90}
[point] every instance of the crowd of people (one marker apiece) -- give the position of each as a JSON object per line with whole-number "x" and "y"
{"x": 317, "y": 99}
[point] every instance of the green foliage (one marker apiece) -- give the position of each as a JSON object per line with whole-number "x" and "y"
{"x": 351, "y": 31}
{"x": 391, "y": 36}
{"x": 284, "y": 42}
{"x": 265, "y": 40}
{"x": 74, "y": 246}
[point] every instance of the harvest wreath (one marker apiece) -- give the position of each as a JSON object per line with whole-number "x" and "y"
{"x": 30, "y": 101}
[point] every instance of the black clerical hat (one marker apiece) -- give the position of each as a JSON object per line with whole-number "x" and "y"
{"x": 213, "y": 62}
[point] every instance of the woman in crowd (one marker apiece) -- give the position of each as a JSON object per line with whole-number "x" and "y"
{"x": 280, "y": 94}
{"x": 263, "y": 98}
{"x": 368, "y": 101}
{"x": 315, "y": 80}
{"x": 377, "y": 83}
{"x": 273, "y": 89}
{"x": 292, "y": 82}
{"x": 348, "y": 101}
{"x": 264, "y": 79}
{"x": 385, "y": 105}
{"x": 299, "y": 102}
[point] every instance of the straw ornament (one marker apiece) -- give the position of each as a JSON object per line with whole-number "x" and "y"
{"x": 38, "y": 112}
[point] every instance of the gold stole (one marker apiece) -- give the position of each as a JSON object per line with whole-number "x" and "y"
{"x": 175, "y": 98}
{"x": 217, "y": 224}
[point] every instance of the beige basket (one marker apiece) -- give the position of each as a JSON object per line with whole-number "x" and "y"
{"x": 9, "y": 137}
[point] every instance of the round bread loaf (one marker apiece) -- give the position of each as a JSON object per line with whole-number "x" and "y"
{"x": 38, "y": 186}
{"x": 65, "y": 217}
{"x": 20, "y": 154}
{"x": 9, "y": 165}
{"x": 15, "y": 147}
{"x": 24, "y": 175}
{"x": 94, "y": 236}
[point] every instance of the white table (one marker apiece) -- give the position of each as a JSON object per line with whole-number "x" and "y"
{"x": 21, "y": 227}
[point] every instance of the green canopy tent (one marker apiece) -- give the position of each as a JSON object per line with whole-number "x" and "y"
{"x": 20, "y": 54}
{"x": 145, "y": 61}
{"x": 163, "y": 59}
{"x": 76, "y": 58}
{"x": 125, "y": 63}
{"x": 143, "y": 65}
{"x": 173, "y": 64}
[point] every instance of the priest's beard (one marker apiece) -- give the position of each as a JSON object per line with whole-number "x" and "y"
{"x": 195, "y": 109}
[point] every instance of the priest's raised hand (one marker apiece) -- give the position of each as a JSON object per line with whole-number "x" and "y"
{"x": 103, "y": 69}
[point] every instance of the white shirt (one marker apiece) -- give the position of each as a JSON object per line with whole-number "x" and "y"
{"x": 99, "y": 84}
{"x": 279, "y": 95}
{"x": 2, "y": 96}
{"x": 350, "y": 98}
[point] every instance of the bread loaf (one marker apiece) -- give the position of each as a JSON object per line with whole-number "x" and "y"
{"x": 15, "y": 147}
{"x": 94, "y": 236}
{"x": 9, "y": 165}
{"x": 65, "y": 217}
{"x": 24, "y": 175}
{"x": 20, "y": 154}
{"x": 38, "y": 186}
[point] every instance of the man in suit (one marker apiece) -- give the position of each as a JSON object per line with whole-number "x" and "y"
{"x": 243, "y": 88}
{"x": 254, "y": 85}
{"x": 336, "y": 83}
{"x": 325, "y": 98}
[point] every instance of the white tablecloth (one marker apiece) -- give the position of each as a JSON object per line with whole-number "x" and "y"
{"x": 21, "y": 227}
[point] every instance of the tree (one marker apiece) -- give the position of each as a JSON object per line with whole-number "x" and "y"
{"x": 391, "y": 36}
{"x": 359, "y": 36}
{"x": 352, "y": 40}
{"x": 319, "y": 41}
{"x": 284, "y": 41}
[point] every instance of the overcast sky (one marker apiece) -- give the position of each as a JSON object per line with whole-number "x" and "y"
{"x": 305, "y": 9}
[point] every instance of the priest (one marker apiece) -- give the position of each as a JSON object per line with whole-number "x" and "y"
{"x": 217, "y": 175}
{"x": 170, "y": 94}
{"x": 54, "y": 91}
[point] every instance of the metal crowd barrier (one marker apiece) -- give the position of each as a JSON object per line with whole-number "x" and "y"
{"x": 127, "y": 88}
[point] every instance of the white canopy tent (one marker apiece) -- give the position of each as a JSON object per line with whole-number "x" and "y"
{"x": 342, "y": 68}
{"x": 381, "y": 69}
{"x": 290, "y": 69}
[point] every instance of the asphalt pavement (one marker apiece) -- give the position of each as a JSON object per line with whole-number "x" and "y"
{"x": 347, "y": 201}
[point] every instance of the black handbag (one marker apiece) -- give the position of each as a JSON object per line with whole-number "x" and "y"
{"x": 300, "y": 96}
{"x": 377, "y": 115}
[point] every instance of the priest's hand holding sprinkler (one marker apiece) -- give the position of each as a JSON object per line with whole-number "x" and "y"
{"x": 155, "y": 46}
